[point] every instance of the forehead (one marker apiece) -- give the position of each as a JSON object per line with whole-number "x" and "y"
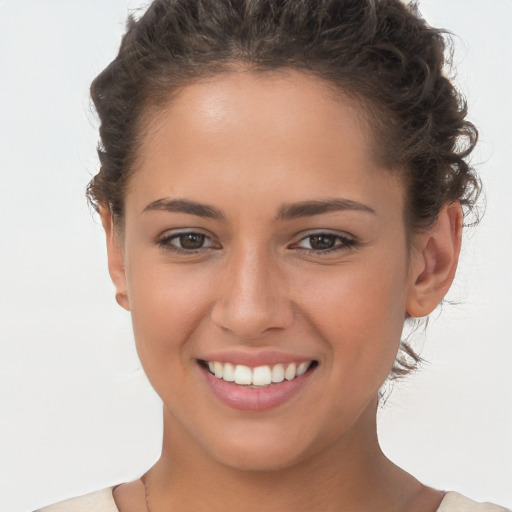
{"x": 272, "y": 101}
{"x": 259, "y": 133}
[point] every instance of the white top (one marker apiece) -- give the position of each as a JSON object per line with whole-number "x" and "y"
{"x": 103, "y": 501}
{"x": 455, "y": 502}
{"x": 99, "y": 501}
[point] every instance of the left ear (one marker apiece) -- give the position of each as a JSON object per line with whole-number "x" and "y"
{"x": 434, "y": 258}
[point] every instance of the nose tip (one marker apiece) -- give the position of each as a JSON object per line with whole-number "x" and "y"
{"x": 248, "y": 322}
{"x": 252, "y": 301}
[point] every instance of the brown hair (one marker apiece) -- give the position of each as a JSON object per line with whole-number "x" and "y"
{"x": 380, "y": 52}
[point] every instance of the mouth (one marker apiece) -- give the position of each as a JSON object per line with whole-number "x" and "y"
{"x": 260, "y": 376}
{"x": 257, "y": 388}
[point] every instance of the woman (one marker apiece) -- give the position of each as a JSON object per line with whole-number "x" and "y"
{"x": 282, "y": 185}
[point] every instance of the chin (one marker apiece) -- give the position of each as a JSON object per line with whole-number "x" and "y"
{"x": 260, "y": 447}
{"x": 257, "y": 458}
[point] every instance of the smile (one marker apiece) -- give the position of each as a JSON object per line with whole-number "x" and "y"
{"x": 260, "y": 376}
{"x": 257, "y": 388}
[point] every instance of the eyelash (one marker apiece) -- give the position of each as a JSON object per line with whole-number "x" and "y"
{"x": 344, "y": 243}
{"x": 166, "y": 243}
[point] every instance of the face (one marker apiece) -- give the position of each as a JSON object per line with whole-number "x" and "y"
{"x": 262, "y": 239}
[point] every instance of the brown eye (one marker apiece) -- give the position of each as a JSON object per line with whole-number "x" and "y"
{"x": 190, "y": 241}
{"x": 322, "y": 242}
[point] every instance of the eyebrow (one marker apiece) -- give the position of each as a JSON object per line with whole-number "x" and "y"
{"x": 310, "y": 208}
{"x": 184, "y": 206}
{"x": 285, "y": 212}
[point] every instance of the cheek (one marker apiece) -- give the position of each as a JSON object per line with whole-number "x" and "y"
{"x": 166, "y": 307}
{"x": 362, "y": 296}
{"x": 359, "y": 313}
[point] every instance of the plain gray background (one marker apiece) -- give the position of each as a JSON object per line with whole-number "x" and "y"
{"x": 76, "y": 412}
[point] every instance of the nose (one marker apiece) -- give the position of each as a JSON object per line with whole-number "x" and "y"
{"x": 252, "y": 296}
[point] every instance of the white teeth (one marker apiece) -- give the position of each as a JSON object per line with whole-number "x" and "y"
{"x": 278, "y": 373}
{"x": 258, "y": 376}
{"x": 289, "y": 373}
{"x": 218, "y": 369}
{"x": 229, "y": 372}
{"x": 302, "y": 369}
{"x": 261, "y": 376}
{"x": 243, "y": 374}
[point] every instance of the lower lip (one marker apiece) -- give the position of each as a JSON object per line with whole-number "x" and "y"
{"x": 247, "y": 398}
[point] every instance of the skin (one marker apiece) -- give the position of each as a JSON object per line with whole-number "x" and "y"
{"x": 248, "y": 145}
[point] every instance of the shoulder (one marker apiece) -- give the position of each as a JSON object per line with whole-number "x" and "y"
{"x": 99, "y": 501}
{"x": 455, "y": 502}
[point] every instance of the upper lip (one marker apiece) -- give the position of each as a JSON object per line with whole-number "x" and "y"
{"x": 254, "y": 359}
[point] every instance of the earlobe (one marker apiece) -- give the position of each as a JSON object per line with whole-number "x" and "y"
{"x": 115, "y": 259}
{"x": 434, "y": 261}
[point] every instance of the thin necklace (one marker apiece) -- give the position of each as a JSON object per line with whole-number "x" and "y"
{"x": 146, "y": 492}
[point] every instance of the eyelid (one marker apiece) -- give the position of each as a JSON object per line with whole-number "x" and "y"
{"x": 164, "y": 240}
{"x": 330, "y": 232}
{"x": 347, "y": 241}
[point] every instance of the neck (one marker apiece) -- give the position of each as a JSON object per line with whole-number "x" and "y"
{"x": 351, "y": 473}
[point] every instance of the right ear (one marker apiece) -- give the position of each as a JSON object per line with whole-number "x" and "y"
{"x": 115, "y": 258}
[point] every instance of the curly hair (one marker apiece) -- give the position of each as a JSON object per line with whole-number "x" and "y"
{"x": 381, "y": 53}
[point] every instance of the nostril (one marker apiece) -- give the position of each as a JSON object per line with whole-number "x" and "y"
{"x": 249, "y": 320}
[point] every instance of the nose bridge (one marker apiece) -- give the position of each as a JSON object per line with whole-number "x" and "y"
{"x": 252, "y": 296}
